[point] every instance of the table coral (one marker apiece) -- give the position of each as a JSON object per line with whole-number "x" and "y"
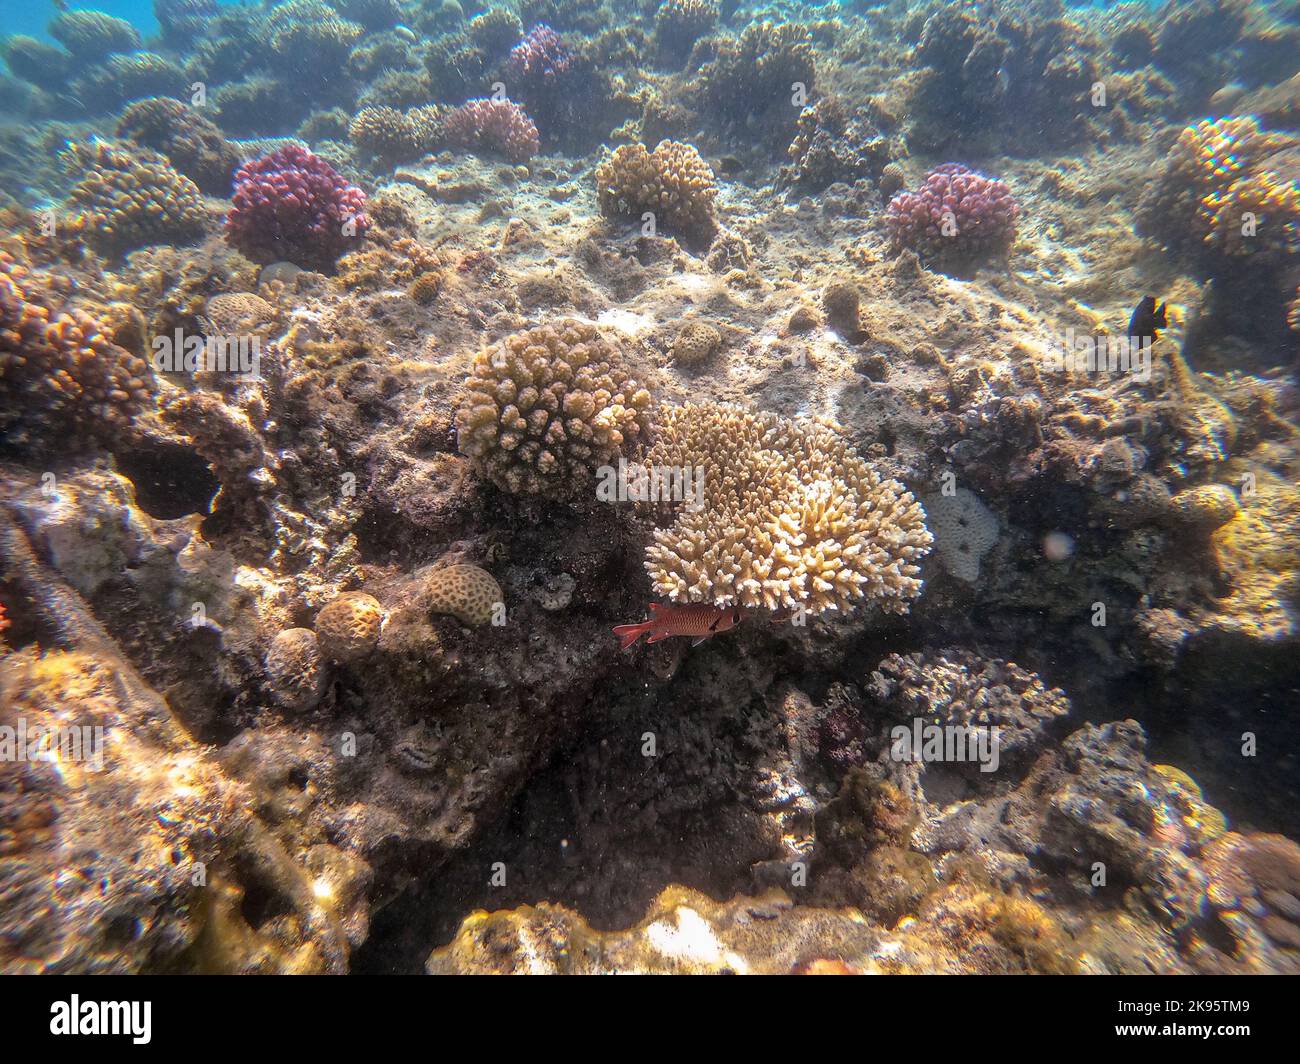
{"x": 547, "y": 407}
{"x": 792, "y": 518}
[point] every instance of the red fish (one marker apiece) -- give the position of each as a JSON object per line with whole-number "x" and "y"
{"x": 699, "y": 621}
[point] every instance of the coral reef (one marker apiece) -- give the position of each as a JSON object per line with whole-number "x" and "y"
{"x": 92, "y": 35}
{"x": 292, "y": 205}
{"x": 791, "y": 518}
{"x": 192, "y": 144}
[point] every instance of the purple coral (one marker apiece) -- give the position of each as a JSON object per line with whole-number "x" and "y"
{"x": 292, "y": 205}
{"x": 540, "y": 58}
{"x": 492, "y": 125}
{"x": 955, "y": 214}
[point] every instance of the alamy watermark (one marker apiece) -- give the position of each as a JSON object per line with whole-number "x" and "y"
{"x": 1087, "y": 354}
{"x": 636, "y": 482}
{"x": 239, "y": 357}
{"x": 946, "y": 743}
{"x": 82, "y": 743}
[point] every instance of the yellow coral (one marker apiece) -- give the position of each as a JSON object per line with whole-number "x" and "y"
{"x": 790, "y": 518}
{"x": 1258, "y": 551}
{"x": 547, "y": 407}
{"x": 672, "y": 182}
{"x": 348, "y": 626}
{"x": 468, "y": 593}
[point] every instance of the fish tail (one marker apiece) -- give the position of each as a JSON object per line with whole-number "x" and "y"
{"x": 628, "y": 634}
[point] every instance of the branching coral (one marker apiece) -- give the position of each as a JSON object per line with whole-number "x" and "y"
{"x": 58, "y": 372}
{"x": 122, "y": 78}
{"x": 956, "y": 215}
{"x": 130, "y": 197}
{"x": 491, "y": 126}
{"x": 292, "y": 205}
{"x": 792, "y": 518}
{"x": 672, "y": 182}
{"x": 680, "y": 23}
{"x": 760, "y": 69}
{"x": 547, "y": 407}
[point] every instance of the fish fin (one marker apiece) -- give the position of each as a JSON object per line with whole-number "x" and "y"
{"x": 655, "y": 607}
{"x": 697, "y": 642}
{"x": 655, "y": 637}
{"x": 628, "y": 634}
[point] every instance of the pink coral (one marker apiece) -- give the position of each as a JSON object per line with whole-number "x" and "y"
{"x": 292, "y": 205}
{"x": 540, "y": 57}
{"x": 955, "y": 214}
{"x": 492, "y": 125}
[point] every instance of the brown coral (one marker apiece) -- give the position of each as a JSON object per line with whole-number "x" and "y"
{"x": 58, "y": 370}
{"x": 468, "y": 593}
{"x": 791, "y": 517}
{"x": 694, "y": 343}
{"x": 296, "y": 669}
{"x": 348, "y": 627}
{"x": 129, "y": 198}
{"x": 547, "y": 407}
{"x": 672, "y": 183}
{"x": 193, "y": 145}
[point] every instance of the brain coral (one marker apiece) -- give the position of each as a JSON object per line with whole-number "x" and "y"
{"x": 348, "y": 627}
{"x": 695, "y": 342}
{"x": 964, "y": 531}
{"x": 58, "y": 372}
{"x": 672, "y": 182}
{"x": 292, "y": 205}
{"x": 296, "y": 670}
{"x": 130, "y": 197}
{"x": 956, "y": 214}
{"x": 547, "y": 407}
{"x": 500, "y": 126}
{"x": 466, "y": 592}
{"x": 791, "y": 517}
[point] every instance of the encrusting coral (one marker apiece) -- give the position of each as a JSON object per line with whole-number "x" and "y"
{"x": 672, "y": 182}
{"x": 547, "y": 407}
{"x": 791, "y": 517}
